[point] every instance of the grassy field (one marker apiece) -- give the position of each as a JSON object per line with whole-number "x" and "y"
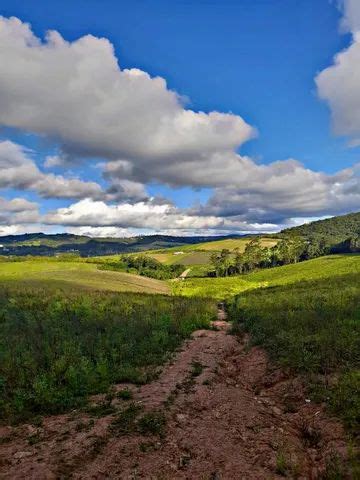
{"x": 222, "y": 288}
{"x": 61, "y": 344}
{"x": 56, "y": 348}
{"x": 318, "y": 268}
{"x": 233, "y": 243}
{"x": 199, "y": 254}
{"x": 75, "y": 275}
{"x": 308, "y": 318}
{"x": 218, "y": 288}
{"x": 313, "y": 327}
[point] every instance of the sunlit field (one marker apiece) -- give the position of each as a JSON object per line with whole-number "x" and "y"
{"x": 199, "y": 254}
{"x": 77, "y": 275}
{"x": 221, "y": 288}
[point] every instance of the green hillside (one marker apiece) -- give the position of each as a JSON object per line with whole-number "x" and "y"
{"x": 199, "y": 253}
{"x": 330, "y": 266}
{"x": 74, "y": 275}
{"x": 52, "y": 244}
{"x": 334, "y": 230}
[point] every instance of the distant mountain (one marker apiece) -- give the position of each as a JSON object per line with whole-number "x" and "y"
{"x": 44, "y": 244}
{"x": 334, "y": 231}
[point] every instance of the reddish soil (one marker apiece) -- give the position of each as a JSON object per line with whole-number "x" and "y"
{"x": 236, "y": 418}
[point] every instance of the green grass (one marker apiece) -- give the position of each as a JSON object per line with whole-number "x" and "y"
{"x": 223, "y": 288}
{"x": 194, "y": 258}
{"x": 232, "y": 243}
{"x": 217, "y": 288}
{"x": 56, "y": 348}
{"x": 199, "y": 253}
{"x": 312, "y": 327}
{"x": 318, "y": 268}
{"x": 76, "y": 274}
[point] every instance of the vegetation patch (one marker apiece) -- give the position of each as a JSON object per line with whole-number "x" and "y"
{"x": 143, "y": 265}
{"x": 125, "y": 394}
{"x": 313, "y": 327}
{"x": 129, "y": 421}
{"x": 57, "y": 348}
{"x": 152, "y": 423}
{"x": 125, "y": 422}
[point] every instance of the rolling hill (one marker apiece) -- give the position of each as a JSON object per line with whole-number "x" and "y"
{"x": 74, "y": 276}
{"x": 334, "y": 231}
{"x": 49, "y": 245}
{"x": 199, "y": 253}
{"x": 322, "y": 268}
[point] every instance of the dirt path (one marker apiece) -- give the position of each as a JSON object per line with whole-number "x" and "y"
{"x": 184, "y": 274}
{"x": 229, "y": 415}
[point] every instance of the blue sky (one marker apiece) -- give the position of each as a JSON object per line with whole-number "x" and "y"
{"x": 255, "y": 59}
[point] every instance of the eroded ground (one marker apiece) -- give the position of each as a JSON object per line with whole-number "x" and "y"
{"x": 218, "y": 411}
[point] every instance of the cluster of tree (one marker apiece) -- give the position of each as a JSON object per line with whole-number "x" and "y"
{"x": 255, "y": 256}
{"x": 145, "y": 266}
{"x": 350, "y": 245}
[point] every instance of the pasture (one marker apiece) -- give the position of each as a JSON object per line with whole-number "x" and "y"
{"x": 199, "y": 254}
{"x": 74, "y": 275}
{"x": 316, "y": 269}
{"x": 234, "y": 243}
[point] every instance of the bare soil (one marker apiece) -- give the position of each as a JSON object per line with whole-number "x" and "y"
{"x": 229, "y": 413}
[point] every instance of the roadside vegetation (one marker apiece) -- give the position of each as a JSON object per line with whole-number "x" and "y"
{"x": 312, "y": 327}
{"x": 56, "y": 348}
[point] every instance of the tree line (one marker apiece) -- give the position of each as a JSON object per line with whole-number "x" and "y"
{"x": 286, "y": 251}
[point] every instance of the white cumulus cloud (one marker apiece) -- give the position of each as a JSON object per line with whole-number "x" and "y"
{"x": 143, "y": 215}
{"x": 19, "y": 171}
{"x": 339, "y": 84}
{"x": 77, "y": 94}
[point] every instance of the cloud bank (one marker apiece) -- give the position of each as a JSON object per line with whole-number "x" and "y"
{"x": 77, "y": 96}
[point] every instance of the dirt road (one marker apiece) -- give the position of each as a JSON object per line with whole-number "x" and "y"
{"x": 229, "y": 415}
{"x": 184, "y": 274}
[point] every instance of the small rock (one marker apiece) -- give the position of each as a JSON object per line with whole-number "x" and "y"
{"x": 19, "y": 455}
{"x": 307, "y": 400}
{"x": 181, "y": 417}
{"x": 276, "y": 410}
